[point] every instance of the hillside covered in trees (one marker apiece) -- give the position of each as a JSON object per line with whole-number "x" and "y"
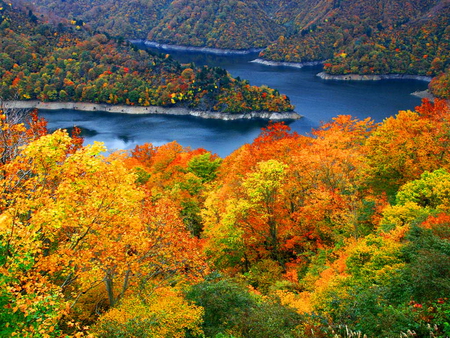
{"x": 342, "y": 233}
{"x": 64, "y": 62}
{"x": 351, "y": 37}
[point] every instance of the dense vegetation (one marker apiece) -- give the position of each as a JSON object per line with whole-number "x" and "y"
{"x": 211, "y": 23}
{"x": 440, "y": 85}
{"x": 220, "y": 24}
{"x": 342, "y": 233}
{"x": 336, "y": 234}
{"x": 351, "y": 37}
{"x": 65, "y": 63}
{"x": 132, "y": 19}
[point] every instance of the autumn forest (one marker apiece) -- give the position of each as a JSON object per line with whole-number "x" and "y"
{"x": 344, "y": 232}
{"x": 351, "y": 37}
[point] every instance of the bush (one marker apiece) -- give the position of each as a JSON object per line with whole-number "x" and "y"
{"x": 230, "y": 309}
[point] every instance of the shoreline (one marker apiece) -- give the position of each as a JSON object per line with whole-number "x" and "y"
{"x": 208, "y": 50}
{"x": 424, "y": 94}
{"x": 151, "y": 110}
{"x": 322, "y": 75}
{"x": 287, "y": 64}
{"x": 377, "y": 77}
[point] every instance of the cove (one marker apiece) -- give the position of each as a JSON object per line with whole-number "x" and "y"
{"x": 317, "y": 100}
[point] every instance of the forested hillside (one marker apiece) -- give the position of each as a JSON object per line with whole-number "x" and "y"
{"x": 220, "y": 24}
{"x": 440, "y": 85}
{"x": 66, "y": 63}
{"x": 342, "y": 233}
{"x": 369, "y": 38}
{"x": 130, "y": 19}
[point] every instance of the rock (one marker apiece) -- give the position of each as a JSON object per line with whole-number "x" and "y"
{"x": 149, "y": 110}
{"x": 287, "y": 64}
{"x": 375, "y": 77}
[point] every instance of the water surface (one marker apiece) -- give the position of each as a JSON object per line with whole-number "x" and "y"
{"x": 316, "y": 99}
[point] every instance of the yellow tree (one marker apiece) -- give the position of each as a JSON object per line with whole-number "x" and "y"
{"x": 79, "y": 222}
{"x": 405, "y": 146}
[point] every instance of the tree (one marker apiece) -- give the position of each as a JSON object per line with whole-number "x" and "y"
{"x": 158, "y": 313}
{"x": 62, "y": 218}
{"x": 405, "y": 146}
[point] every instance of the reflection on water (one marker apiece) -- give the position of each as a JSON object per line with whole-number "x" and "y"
{"x": 122, "y": 131}
{"x": 316, "y": 99}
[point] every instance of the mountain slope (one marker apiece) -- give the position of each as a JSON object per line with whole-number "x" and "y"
{"x": 353, "y": 36}
{"x": 66, "y": 63}
{"x": 131, "y": 19}
{"x": 369, "y": 37}
{"x": 220, "y": 24}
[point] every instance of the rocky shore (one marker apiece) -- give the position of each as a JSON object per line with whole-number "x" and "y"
{"x": 287, "y": 64}
{"x": 358, "y": 77}
{"x": 209, "y": 50}
{"x": 148, "y": 110}
{"x": 424, "y": 94}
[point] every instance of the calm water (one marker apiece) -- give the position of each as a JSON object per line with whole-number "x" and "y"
{"x": 316, "y": 99}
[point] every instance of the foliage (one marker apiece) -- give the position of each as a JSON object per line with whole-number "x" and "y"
{"x": 341, "y": 233}
{"x": 231, "y": 309}
{"x": 440, "y": 85}
{"x": 160, "y": 313}
{"x": 203, "y": 167}
{"x": 218, "y": 24}
{"x": 366, "y": 37}
{"x": 60, "y": 63}
{"x": 64, "y": 234}
{"x": 350, "y": 37}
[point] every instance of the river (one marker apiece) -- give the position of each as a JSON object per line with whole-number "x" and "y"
{"x": 316, "y": 99}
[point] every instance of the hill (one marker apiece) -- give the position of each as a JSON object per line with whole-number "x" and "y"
{"x": 341, "y": 233}
{"x": 63, "y": 62}
{"x": 370, "y": 37}
{"x": 218, "y": 24}
{"x": 359, "y": 37}
{"x": 132, "y": 19}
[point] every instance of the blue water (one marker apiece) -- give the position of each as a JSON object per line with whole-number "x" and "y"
{"x": 316, "y": 99}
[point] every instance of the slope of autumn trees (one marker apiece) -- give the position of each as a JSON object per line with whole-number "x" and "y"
{"x": 336, "y": 234}
{"x": 65, "y": 63}
{"x": 70, "y": 248}
{"x": 219, "y": 24}
{"x": 223, "y": 24}
{"x": 440, "y": 85}
{"x": 350, "y": 37}
{"x": 131, "y": 19}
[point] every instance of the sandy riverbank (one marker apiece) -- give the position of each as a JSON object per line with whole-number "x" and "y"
{"x": 424, "y": 94}
{"x": 217, "y": 51}
{"x": 358, "y": 77}
{"x": 148, "y": 110}
{"x": 287, "y": 64}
